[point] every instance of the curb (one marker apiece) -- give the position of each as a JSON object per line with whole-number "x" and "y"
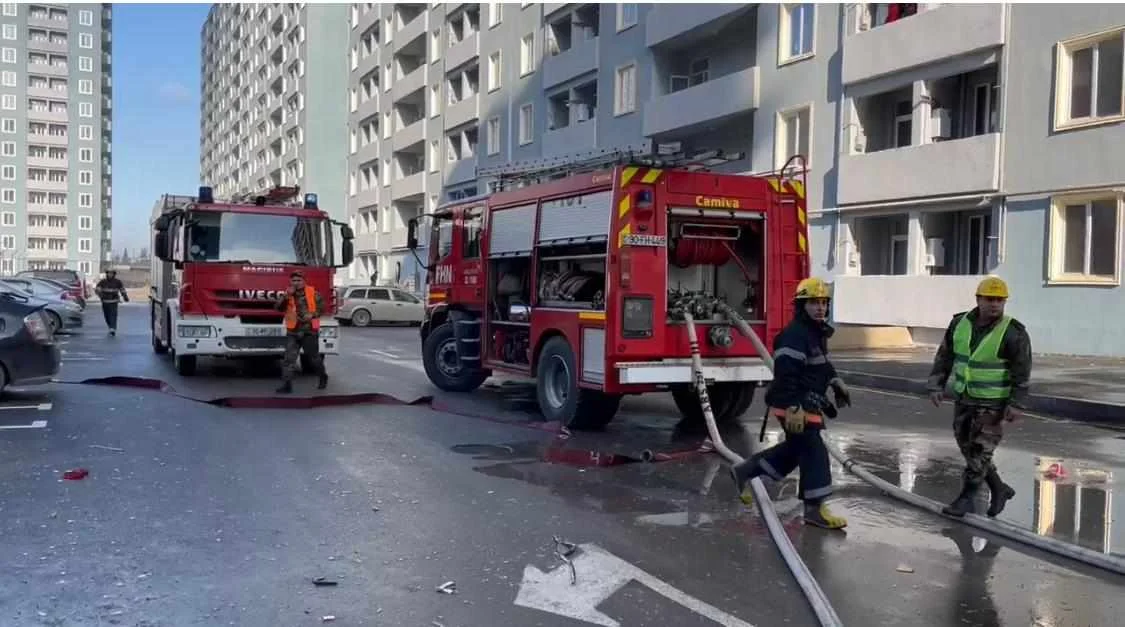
{"x": 1052, "y": 406}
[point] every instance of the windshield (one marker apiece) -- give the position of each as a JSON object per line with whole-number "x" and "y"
{"x": 443, "y": 228}
{"x": 257, "y": 238}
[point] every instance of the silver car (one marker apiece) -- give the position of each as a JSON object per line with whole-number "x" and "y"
{"x": 363, "y": 305}
{"x": 61, "y": 312}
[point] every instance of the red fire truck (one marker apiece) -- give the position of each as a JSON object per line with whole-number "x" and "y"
{"x": 568, "y": 280}
{"x": 219, "y": 266}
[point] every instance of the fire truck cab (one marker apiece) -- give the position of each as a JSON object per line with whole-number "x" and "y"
{"x": 571, "y": 282}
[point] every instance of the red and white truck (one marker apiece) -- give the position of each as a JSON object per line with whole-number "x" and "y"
{"x": 219, "y": 266}
{"x": 569, "y": 280}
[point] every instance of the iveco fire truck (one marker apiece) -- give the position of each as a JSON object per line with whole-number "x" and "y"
{"x": 218, "y": 267}
{"x": 566, "y": 272}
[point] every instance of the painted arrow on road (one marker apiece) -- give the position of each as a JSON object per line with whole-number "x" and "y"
{"x": 600, "y": 574}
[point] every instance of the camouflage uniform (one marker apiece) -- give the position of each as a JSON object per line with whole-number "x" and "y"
{"x": 978, "y": 423}
{"x": 302, "y": 338}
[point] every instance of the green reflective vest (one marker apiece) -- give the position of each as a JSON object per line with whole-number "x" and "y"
{"x": 980, "y": 373}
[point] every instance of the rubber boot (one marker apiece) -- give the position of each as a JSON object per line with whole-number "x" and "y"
{"x": 286, "y": 388}
{"x": 818, "y": 515}
{"x": 742, "y": 474}
{"x": 963, "y": 504}
{"x": 1001, "y": 493}
{"x": 322, "y": 382}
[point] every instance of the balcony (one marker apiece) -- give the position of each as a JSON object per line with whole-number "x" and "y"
{"x": 461, "y": 171}
{"x": 48, "y": 162}
{"x": 582, "y": 57}
{"x": 409, "y": 187}
{"x": 366, "y": 243}
{"x": 56, "y": 210}
{"x": 46, "y": 231}
{"x": 47, "y": 92}
{"x": 461, "y": 112}
{"x": 708, "y": 102}
{"x": 366, "y": 198}
{"x": 412, "y": 134}
{"x": 671, "y": 23}
{"x": 410, "y": 83}
{"x": 367, "y": 108}
{"x": 910, "y": 42}
{"x": 462, "y": 52}
{"x": 47, "y": 185}
{"x": 367, "y": 152}
{"x": 412, "y": 30}
{"x": 48, "y": 116}
{"x": 48, "y": 69}
{"x": 46, "y": 253}
{"x": 575, "y": 138}
{"x": 58, "y": 22}
{"x": 397, "y": 238}
{"x": 959, "y": 166}
{"x": 47, "y": 46}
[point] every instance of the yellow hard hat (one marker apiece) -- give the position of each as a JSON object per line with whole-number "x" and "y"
{"x": 812, "y": 288}
{"x": 992, "y": 287}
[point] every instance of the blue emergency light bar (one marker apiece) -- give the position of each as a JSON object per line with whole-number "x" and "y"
{"x": 206, "y": 196}
{"x": 310, "y": 201}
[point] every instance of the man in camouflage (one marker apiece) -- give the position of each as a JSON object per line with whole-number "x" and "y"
{"x": 303, "y": 307}
{"x": 988, "y": 355}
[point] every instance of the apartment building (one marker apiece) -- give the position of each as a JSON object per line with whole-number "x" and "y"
{"x": 273, "y": 106}
{"x": 56, "y": 111}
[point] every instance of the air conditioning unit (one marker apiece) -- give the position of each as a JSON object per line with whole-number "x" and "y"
{"x": 941, "y": 124}
{"x": 935, "y": 252}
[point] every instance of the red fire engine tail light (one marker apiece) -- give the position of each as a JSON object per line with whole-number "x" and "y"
{"x": 626, "y": 265}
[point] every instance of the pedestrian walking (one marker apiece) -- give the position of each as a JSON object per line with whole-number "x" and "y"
{"x": 988, "y": 354}
{"x": 797, "y": 398}
{"x": 111, "y": 291}
{"x": 303, "y": 306}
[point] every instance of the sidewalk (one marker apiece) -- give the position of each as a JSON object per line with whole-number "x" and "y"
{"x": 1090, "y": 389}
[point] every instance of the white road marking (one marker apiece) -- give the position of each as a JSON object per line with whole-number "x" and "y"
{"x": 385, "y": 353}
{"x": 38, "y": 424}
{"x": 599, "y": 575}
{"x": 411, "y": 364}
{"x": 927, "y": 400}
{"x": 83, "y": 359}
{"x": 37, "y": 406}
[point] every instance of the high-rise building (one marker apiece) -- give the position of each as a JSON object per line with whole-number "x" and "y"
{"x": 273, "y": 110}
{"x": 56, "y": 109}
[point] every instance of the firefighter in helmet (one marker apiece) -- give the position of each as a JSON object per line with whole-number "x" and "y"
{"x": 797, "y": 398}
{"x": 988, "y": 354}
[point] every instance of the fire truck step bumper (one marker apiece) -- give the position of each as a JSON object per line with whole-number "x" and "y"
{"x": 679, "y": 371}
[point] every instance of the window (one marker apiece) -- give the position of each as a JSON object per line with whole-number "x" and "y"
{"x": 1084, "y": 238}
{"x": 796, "y": 27}
{"x": 495, "y": 13}
{"x": 8, "y": 102}
{"x": 85, "y": 40}
{"x": 8, "y": 242}
{"x": 471, "y": 234}
{"x": 86, "y": 86}
{"x": 8, "y": 125}
{"x": 86, "y": 109}
{"x": 527, "y": 54}
{"x": 8, "y": 78}
{"x": 435, "y": 101}
{"x": 527, "y": 123}
{"x": 8, "y": 196}
{"x": 86, "y": 64}
{"x": 85, "y": 245}
{"x": 86, "y": 18}
{"x": 435, "y": 155}
{"x": 1089, "y": 87}
{"x": 793, "y": 134}
{"x": 625, "y": 90}
{"x": 85, "y": 177}
{"x": 85, "y": 131}
{"x": 86, "y": 201}
{"x": 493, "y": 137}
{"x": 10, "y": 8}
{"x": 435, "y": 46}
{"x": 8, "y": 173}
{"x": 626, "y": 15}
{"x": 8, "y": 149}
{"x": 85, "y": 155}
{"x": 85, "y": 223}
{"x": 9, "y": 218}
{"x": 84, "y": 267}
{"x": 494, "y": 68}
{"x": 9, "y": 31}
{"x": 902, "y": 131}
{"x": 9, "y": 55}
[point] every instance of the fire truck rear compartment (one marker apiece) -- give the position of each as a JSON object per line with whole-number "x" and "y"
{"x": 719, "y": 259}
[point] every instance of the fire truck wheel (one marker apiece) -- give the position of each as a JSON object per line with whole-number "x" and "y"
{"x": 185, "y": 365}
{"x": 443, "y": 363}
{"x": 560, "y": 398}
{"x": 158, "y": 347}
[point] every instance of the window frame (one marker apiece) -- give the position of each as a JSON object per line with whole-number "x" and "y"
{"x": 85, "y": 64}
{"x": 7, "y": 53}
{"x": 499, "y": 54}
{"x": 1064, "y": 51}
{"x": 784, "y": 27}
{"x": 1056, "y": 238}
{"x": 526, "y": 141}
{"x": 527, "y": 63}
{"x": 85, "y": 18}
{"x": 89, "y": 244}
{"x": 86, "y": 37}
{"x": 618, "y": 90}
{"x": 493, "y": 147}
{"x": 4, "y": 123}
{"x": 4, "y": 194}
{"x": 86, "y": 200}
{"x": 88, "y": 220}
{"x": 620, "y": 21}
{"x": 9, "y": 28}
{"x": 781, "y": 133}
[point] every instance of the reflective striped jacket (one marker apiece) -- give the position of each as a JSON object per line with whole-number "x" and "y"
{"x": 801, "y": 365}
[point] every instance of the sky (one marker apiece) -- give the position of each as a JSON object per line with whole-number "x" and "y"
{"x": 155, "y": 112}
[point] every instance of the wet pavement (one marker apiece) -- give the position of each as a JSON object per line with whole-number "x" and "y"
{"x": 200, "y": 515}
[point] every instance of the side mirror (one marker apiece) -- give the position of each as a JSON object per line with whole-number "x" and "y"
{"x": 160, "y": 244}
{"x": 412, "y": 234}
{"x": 346, "y": 232}
{"x": 347, "y": 252}
{"x": 161, "y": 224}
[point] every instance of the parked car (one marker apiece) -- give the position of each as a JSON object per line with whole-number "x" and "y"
{"x": 71, "y": 278}
{"x": 28, "y": 352}
{"x": 61, "y": 311}
{"x": 363, "y": 305}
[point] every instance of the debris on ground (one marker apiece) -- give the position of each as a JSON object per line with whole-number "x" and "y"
{"x": 76, "y": 474}
{"x": 903, "y": 568}
{"x": 327, "y": 619}
{"x": 323, "y": 581}
{"x": 108, "y": 448}
{"x": 449, "y": 587}
{"x": 563, "y": 550}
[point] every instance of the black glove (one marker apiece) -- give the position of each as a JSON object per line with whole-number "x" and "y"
{"x": 818, "y": 404}
{"x": 840, "y": 392}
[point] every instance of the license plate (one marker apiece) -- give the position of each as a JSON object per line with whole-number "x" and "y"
{"x": 263, "y": 331}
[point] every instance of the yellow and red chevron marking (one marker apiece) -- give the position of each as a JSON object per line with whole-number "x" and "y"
{"x": 795, "y": 188}
{"x": 648, "y": 176}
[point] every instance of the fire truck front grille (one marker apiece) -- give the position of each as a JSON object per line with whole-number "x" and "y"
{"x": 229, "y": 299}
{"x": 251, "y": 343}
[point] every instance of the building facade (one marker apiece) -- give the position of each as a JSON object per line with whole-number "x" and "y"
{"x": 56, "y": 111}
{"x": 273, "y": 107}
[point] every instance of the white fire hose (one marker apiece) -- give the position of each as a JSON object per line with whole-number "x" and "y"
{"x": 1000, "y": 528}
{"x": 816, "y": 597}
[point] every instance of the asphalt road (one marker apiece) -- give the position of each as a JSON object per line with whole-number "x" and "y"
{"x": 194, "y": 514}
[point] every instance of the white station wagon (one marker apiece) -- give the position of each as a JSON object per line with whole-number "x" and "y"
{"x": 363, "y": 305}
